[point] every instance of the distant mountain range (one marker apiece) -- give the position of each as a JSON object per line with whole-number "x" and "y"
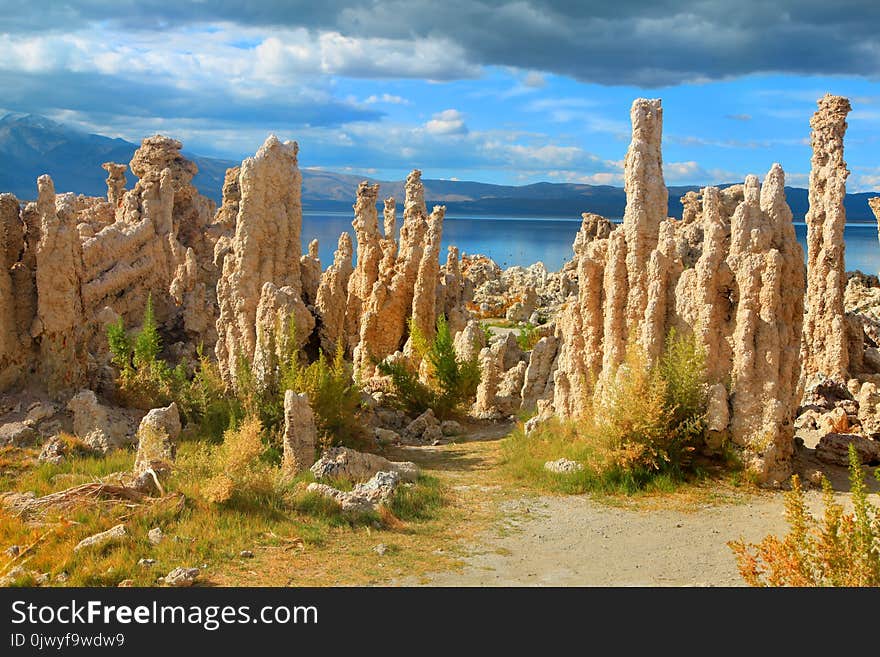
{"x": 31, "y": 145}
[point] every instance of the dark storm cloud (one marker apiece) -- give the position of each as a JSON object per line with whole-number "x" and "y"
{"x": 644, "y": 43}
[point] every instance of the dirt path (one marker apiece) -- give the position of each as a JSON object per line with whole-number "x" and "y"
{"x": 578, "y": 541}
{"x": 574, "y": 541}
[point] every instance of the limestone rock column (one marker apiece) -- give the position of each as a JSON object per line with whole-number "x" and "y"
{"x": 825, "y": 332}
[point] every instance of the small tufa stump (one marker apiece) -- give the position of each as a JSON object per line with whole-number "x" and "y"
{"x": 300, "y": 434}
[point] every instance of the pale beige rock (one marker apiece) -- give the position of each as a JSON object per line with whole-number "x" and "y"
{"x": 538, "y": 379}
{"x": 469, "y": 341}
{"x": 101, "y": 427}
{"x": 281, "y": 315}
{"x": 508, "y": 398}
{"x": 424, "y": 304}
{"x": 264, "y": 250}
{"x": 98, "y": 541}
{"x": 369, "y": 255}
{"x": 703, "y": 292}
{"x": 227, "y": 213}
{"x": 115, "y": 182}
{"x": 384, "y": 320}
{"x": 422, "y": 428}
{"x": 825, "y": 340}
{"x": 491, "y": 362}
{"x": 766, "y": 261}
{"x": 717, "y": 410}
{"x": 454, "y": 294}
{"x": 157, "y": 437}
{"x": 389, "y": 224}
{"x": 360, "y": 466}
{"x": 15, "y": 340}
{"x": 646, "y": 201}
{"x": 300, "y": 434}
{"x": 730, "y": 272}
{"x": 310, "y": 269}
{"x": 364, "y": 497}
{"x": 330, "y": 302}
{"x": 869, "y": 408}
{"x": 59, "y": 323}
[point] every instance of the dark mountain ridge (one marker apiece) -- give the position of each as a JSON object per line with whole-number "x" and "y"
{"x": 31, "y": 145}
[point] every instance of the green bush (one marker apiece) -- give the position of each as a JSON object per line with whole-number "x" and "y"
{"x": 145, "y": 381}
{"x": 527, "y": 337}
{"x": 653, "y": 417}
{"x": 451, "y": 382}
{"x": 639, "y": 430}
{"x": 333, "y": 396}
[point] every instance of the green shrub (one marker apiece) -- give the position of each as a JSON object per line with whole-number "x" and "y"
{"x": 333, "y": 396}
{"x": 840, "y": 550}
{"x": 653, "y": 418}
{"x": 451, "y": 382}
{"x": 527, "y": 337}
{"x": 145, "y": 381}
{"x": 639, "y": 430}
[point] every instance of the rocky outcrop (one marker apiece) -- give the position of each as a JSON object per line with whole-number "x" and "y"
{"x": 300, "y": 435}
{"x": 826, "y": 348}
{"x": 342, "y": 462}
{"x": 363, "y": 498}
{"x": 538, "y": 382}
{"x": 265, "y": 249}
{"x": 59, "y": 325}
{"x": 330, "y": 302}
{"x": 738, "y": 289}
{"x": 491, "y": 373}
{"x": 647, "y": 201}
{"x": 424, "y": 429}
{"x": 157, "y": 242}
{"x": 454, "y": 293}
{"x": 469, "y": 341}
{"x": 383, "y": 328}
{"x": 310, "y": 269}
{"x": 283, "y": 325}
{"x": 369, "y": 255}
{"x": 101, "y": 427}
{"x": 424, "y": 304}
{"x": 157, "y": 438}
{"x": 17, "y": 293}
{"x": 519, "y": 294}
{"x": 115, "y": 182}
{"x": 766, "y": 261}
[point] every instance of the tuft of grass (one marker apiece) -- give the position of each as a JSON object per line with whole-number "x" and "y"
{"x": 420, "y": 501}
{"x": 333, "y": 396}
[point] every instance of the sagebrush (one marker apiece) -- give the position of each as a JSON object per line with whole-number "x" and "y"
{"x": 840, "y": 549}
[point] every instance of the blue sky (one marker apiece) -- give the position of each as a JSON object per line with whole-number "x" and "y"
{"x": 496, "y": 91}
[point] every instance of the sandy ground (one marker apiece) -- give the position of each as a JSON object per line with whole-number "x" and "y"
{"x": 575, "y": 541}
{"x": 578, "y": 541}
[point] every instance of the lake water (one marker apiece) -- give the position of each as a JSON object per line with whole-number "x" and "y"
{"x": 524, "y": 240}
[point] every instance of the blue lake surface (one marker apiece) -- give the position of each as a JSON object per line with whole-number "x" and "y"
{"x": 524, "y": 240}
